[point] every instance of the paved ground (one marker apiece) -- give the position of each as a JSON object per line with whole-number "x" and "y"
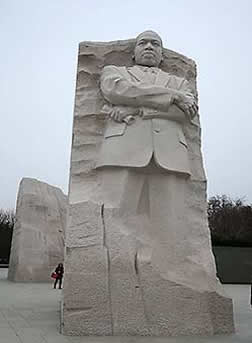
{"x": 29, "y": 313}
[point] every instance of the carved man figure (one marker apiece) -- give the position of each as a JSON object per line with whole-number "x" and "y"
{"x": 147, "y": 109}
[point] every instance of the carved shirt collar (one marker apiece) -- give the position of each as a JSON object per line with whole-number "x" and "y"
{"x": 146, "y": 69}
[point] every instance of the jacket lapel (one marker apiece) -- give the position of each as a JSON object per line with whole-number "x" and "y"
{"x": 137, "y": 73}
{"x": 162, "y": 78}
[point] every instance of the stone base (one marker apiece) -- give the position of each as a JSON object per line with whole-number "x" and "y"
{"x": 144, "y": 304}
{"x": 114, "y": 287}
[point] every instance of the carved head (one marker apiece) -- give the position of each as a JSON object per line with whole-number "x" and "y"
{"x": 148, "y": 49}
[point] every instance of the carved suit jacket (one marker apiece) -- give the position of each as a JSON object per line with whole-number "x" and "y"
{"x": 157, "y": 129}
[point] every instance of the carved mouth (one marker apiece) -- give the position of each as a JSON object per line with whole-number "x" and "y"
{"x": 149, "y": 53}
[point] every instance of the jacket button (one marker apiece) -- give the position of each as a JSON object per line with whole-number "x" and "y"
{"x": 156, "y": 130}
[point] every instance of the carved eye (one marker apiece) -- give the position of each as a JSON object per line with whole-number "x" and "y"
{"x": 141, "y": 43}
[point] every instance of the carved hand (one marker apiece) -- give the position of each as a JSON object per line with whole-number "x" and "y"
{"x": 187, "y": 103}
{"x": 123, "y": 114}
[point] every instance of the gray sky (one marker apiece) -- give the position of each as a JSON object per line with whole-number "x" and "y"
{"x": 39, "y": 44}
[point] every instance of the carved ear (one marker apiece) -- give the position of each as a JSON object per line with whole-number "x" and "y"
{"x": 133, "y": 58}
{"x": 162, "y": 59}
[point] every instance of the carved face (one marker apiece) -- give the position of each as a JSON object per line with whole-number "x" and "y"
{"x": 148, "y": 49}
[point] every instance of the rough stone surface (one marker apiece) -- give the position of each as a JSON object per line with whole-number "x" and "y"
{"x": 121, "y": 277}
{"x": 29, "y": 313}
{"x": 38, "y": 235}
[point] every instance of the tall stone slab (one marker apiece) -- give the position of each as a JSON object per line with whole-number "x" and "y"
{"x": 38, "y": 235}
{"x": 122, "y": 275}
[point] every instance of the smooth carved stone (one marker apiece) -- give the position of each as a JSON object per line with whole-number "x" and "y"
{"x": 138, "y": 252}
{"x": 38, "y": 235}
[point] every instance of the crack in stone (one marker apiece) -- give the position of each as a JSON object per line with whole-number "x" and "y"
{"x": 109, "y": 271}
{"x": 139, "y": 286}
{"x": 69, "y": 248}
{"x": 88, "y": 236}
{"x": 135, "y": 264}
{"x": 78, "y": 224}
{"x": 80, "y": 309}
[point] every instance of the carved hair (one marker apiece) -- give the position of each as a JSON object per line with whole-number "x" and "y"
{"x": 152, "y": 32}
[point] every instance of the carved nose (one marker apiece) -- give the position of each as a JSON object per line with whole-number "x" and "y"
{"x": 149, "y": 46}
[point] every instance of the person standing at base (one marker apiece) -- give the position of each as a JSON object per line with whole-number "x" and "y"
{"x": 59, "y": 272}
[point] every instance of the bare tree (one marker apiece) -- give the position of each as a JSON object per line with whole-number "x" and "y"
{"x": 230, "y": 221}
{"x": 7, "y": 219}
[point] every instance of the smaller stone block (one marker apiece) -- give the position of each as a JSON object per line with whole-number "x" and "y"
{"x": 38, "y": 235}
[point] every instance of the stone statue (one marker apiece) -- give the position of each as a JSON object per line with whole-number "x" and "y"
{"x": 148, "y": 109}
{"x": 138, "y": 249}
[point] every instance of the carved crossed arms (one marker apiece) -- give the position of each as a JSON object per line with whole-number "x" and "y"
{"x": 130, "y": 97}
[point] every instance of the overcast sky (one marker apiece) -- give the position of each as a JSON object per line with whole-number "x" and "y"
{"x": 39, "y": 45}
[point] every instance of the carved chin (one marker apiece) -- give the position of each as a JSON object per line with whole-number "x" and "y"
{"x": 148, "y": 61}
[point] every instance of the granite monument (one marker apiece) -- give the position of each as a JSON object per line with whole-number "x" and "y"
{"x": 138, "y": 252}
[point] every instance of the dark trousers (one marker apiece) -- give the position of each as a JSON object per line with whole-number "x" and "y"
{"x": 56, "y": 281}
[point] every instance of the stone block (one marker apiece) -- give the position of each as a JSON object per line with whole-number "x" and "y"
{"x": 38, "y": 235}
{"x": 139, "y": 263}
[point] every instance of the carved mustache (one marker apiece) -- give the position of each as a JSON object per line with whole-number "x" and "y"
{"x": 149, "y": 52}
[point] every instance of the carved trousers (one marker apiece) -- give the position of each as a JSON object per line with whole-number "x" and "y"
{"x": 151, "y": 203}
{"x": 144, "y": 221}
